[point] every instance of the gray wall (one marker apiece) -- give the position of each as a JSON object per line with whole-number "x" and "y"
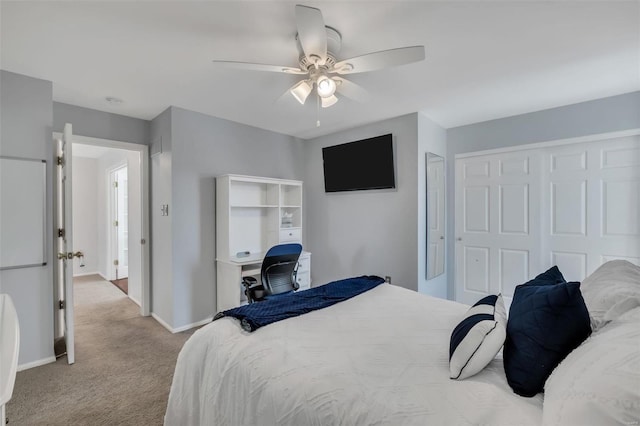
{"x": 605, "y": 115}
{"x": 85, "y": 201}
{"x": 364, "y": 232}
{"x": 160, "y": 193}
{"x": 26, "y": 121}
{"x": 201, "y": 148}
{"x": 99, "y": 124}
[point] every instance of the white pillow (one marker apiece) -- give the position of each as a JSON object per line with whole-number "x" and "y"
{"x": 478, "y": 337}
{"x": 613, "y": 289}
{"x": 599, "y": 382}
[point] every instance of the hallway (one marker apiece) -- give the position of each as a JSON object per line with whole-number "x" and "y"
{"x": 122, "y": 373}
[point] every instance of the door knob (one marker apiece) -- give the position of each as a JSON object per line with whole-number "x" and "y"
{"x": 70, "y": 255}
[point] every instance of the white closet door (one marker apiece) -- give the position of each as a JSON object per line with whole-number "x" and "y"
{"x": 592, "y": 205}
{"x": 497, "y": 239}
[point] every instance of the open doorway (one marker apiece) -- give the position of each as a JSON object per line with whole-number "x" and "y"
{"x": 106, "y": 215}
{"x": 107, "y": 231}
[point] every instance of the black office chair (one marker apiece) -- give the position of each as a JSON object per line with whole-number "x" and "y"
{"x": 278, "y": 273}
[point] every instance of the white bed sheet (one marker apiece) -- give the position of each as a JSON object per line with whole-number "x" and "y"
{"x": 380, "y": 358}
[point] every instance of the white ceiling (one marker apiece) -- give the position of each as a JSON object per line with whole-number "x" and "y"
{"x": 485, "y": 60}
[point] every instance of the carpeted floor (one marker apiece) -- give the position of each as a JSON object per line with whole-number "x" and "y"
{"x": 123, "y": 369}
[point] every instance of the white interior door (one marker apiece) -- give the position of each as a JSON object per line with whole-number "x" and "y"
{"x": 120, "y": 213}
{"x": 518, "y": 213}
{"x": 497, "y": 231}
{"x": 65, "y": 240}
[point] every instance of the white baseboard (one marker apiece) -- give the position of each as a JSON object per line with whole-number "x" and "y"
{"x": 161, "y": 321}
{"x": 134, "y": 300}
{"x": 36, "y": 363}
{"x": 84, "y": 274}
{"x": 184, "y": 327}
{"x": 103, "y": 277}
{"x": 195, "y": 324}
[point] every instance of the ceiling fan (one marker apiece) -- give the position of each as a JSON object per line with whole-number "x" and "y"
{"x": 318, "y": 46}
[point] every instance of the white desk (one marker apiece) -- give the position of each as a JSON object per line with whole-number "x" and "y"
{"x": 229, "y": 274}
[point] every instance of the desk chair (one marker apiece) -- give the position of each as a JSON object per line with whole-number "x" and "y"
{"x": 9, "y": 346}
{"x": 278, "y": 273}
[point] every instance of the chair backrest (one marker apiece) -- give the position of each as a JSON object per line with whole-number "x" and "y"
{"x": 279, "y": 268}
{"x": 9, "y": 346}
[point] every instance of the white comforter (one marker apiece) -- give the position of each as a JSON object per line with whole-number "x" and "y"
{"x": 380, "y": 358}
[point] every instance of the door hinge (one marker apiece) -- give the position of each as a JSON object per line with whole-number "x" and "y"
{"x": 143, "y": 241}
{"x": 115, "y": 223}
{"x": 60, "y": 160}
{"x": 115, "y": 262}
{"x": 60, "y": 304}
{"x": 115, "y": 184}
{"x": 60, "y": 232}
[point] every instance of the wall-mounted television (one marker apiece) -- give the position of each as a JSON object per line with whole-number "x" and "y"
{"x": 363, "y": 164}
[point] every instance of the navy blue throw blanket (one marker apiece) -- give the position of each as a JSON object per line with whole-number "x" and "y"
{"x": 279, "y": 307}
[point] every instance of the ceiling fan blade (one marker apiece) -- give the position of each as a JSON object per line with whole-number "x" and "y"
{"x": 312, "y": 33}
{"x": 260, "y": 67}
{"x": 327, "y": 102}
{"x": 377, "y": 60}
{"x": 350, "y": 90}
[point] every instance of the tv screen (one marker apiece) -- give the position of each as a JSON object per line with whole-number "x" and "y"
{"x": 364, "y": 164}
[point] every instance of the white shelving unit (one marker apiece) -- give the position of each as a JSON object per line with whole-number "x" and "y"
{"x": 254, "y": 214}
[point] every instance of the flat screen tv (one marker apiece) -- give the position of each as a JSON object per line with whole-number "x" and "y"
{"x": 364, "y": 164}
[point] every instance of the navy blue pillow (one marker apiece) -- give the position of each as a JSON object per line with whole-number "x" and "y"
{"x": 549, "y": 277}
{"x": 547, "y": 320}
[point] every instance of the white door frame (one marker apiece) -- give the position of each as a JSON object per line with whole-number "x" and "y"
{"x": 145, "y": 303}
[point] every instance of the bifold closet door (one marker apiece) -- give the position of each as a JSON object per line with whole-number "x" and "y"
{"x": 497, "y": 225}
{"x": 518, "y": 213}
{"x": 591, "y": 205}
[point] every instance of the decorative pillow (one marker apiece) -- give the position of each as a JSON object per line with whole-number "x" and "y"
{"x": 549, "y": 277}
{"x": 597, "y": 383}
{"x": 478, "y": 338}
{"x": 547, "y": 321}
{"x": 612, "y": 290}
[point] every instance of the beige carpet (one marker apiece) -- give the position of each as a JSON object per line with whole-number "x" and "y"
{"x": 123, "y": 369}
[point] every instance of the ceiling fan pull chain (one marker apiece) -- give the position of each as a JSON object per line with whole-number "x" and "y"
{"x": 318, "y": 111}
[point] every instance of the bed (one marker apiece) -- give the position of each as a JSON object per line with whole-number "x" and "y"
{"x": 381, "y": 358}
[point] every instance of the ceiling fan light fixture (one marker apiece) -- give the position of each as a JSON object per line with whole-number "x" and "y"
{"x": 301, "y": 91}
{"x": 326, "y": 87}
{"x": 327, "y": 102}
